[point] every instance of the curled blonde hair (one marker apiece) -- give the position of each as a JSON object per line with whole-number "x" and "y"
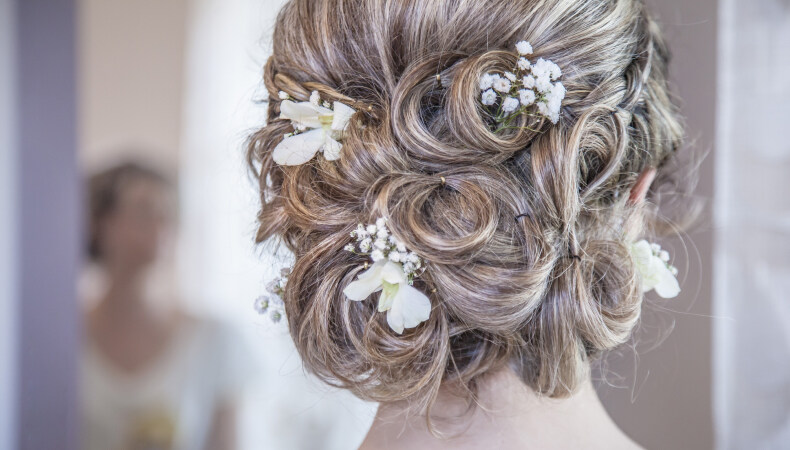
{"x": 525, "y": 233}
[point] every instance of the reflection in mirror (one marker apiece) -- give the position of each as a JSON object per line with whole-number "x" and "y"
{"x": 153, "y": 375}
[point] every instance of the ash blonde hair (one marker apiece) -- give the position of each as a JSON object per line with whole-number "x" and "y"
{"x": 524, "y": 233}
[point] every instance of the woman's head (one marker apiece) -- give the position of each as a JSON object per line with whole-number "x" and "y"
{"x": 524, "y": 233}
{"x": 130, "y": 209}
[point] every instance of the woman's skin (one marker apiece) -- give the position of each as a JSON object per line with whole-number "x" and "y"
{"x": 508, "y": 414}
{"x": 124, "y": 326}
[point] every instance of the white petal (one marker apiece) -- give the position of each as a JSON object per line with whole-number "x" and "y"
{"x": 367, "y": 283}
{"x": 641, "y": 253}
{"x": 298, "y": 149}
{"x": 410, "y": 308}
{"x": 342, "y": 116}
{"x": 388, "y": 295}
{"x": 393, "y": 273}
{"x": 323, "y": 111}
{"x": 654, "y": 272}
{"x": 395, "y": 321}
{"x": 651, "y": 275}
{"x": 667, "y": 285}
{"x": 332, "y": 148}
{"x": 303, "y": 113}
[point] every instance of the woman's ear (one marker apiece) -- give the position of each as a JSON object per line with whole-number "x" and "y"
{"x": 642, "y": 185}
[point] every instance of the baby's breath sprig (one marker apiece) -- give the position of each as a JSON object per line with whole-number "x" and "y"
{"x": 376, "y": 241}
{"x": 513, "y": 93}
{"x": 272, "y": 303}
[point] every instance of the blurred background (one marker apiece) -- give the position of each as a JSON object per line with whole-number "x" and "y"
{"x": 128, "y": 274}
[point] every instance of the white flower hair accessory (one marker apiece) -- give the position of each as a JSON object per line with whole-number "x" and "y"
{"x": 652, "y": 264}
{"x": 393, "y": 271}
{"x": 528, "y": 86}
{"x": 273, "y": 302}
{"x": 318, "y": 125}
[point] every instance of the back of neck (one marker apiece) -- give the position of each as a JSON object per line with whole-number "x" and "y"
{"x": 508, "y": 414}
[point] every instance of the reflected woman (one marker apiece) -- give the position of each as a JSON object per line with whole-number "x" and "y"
{"x": 153, "y": 377}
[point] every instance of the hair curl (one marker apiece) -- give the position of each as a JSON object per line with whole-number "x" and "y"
{"x": 544, "y": 293}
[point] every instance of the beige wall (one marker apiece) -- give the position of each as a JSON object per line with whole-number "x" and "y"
{"x": 664, "y": 394}
{"x": 131, "y": 80}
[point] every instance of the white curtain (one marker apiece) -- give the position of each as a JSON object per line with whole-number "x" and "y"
{"x": 220, "y": 271}
{"x": 752, "y": 300}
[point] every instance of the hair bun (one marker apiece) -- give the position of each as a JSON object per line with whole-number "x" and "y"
{"x": 523, "y": 231}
